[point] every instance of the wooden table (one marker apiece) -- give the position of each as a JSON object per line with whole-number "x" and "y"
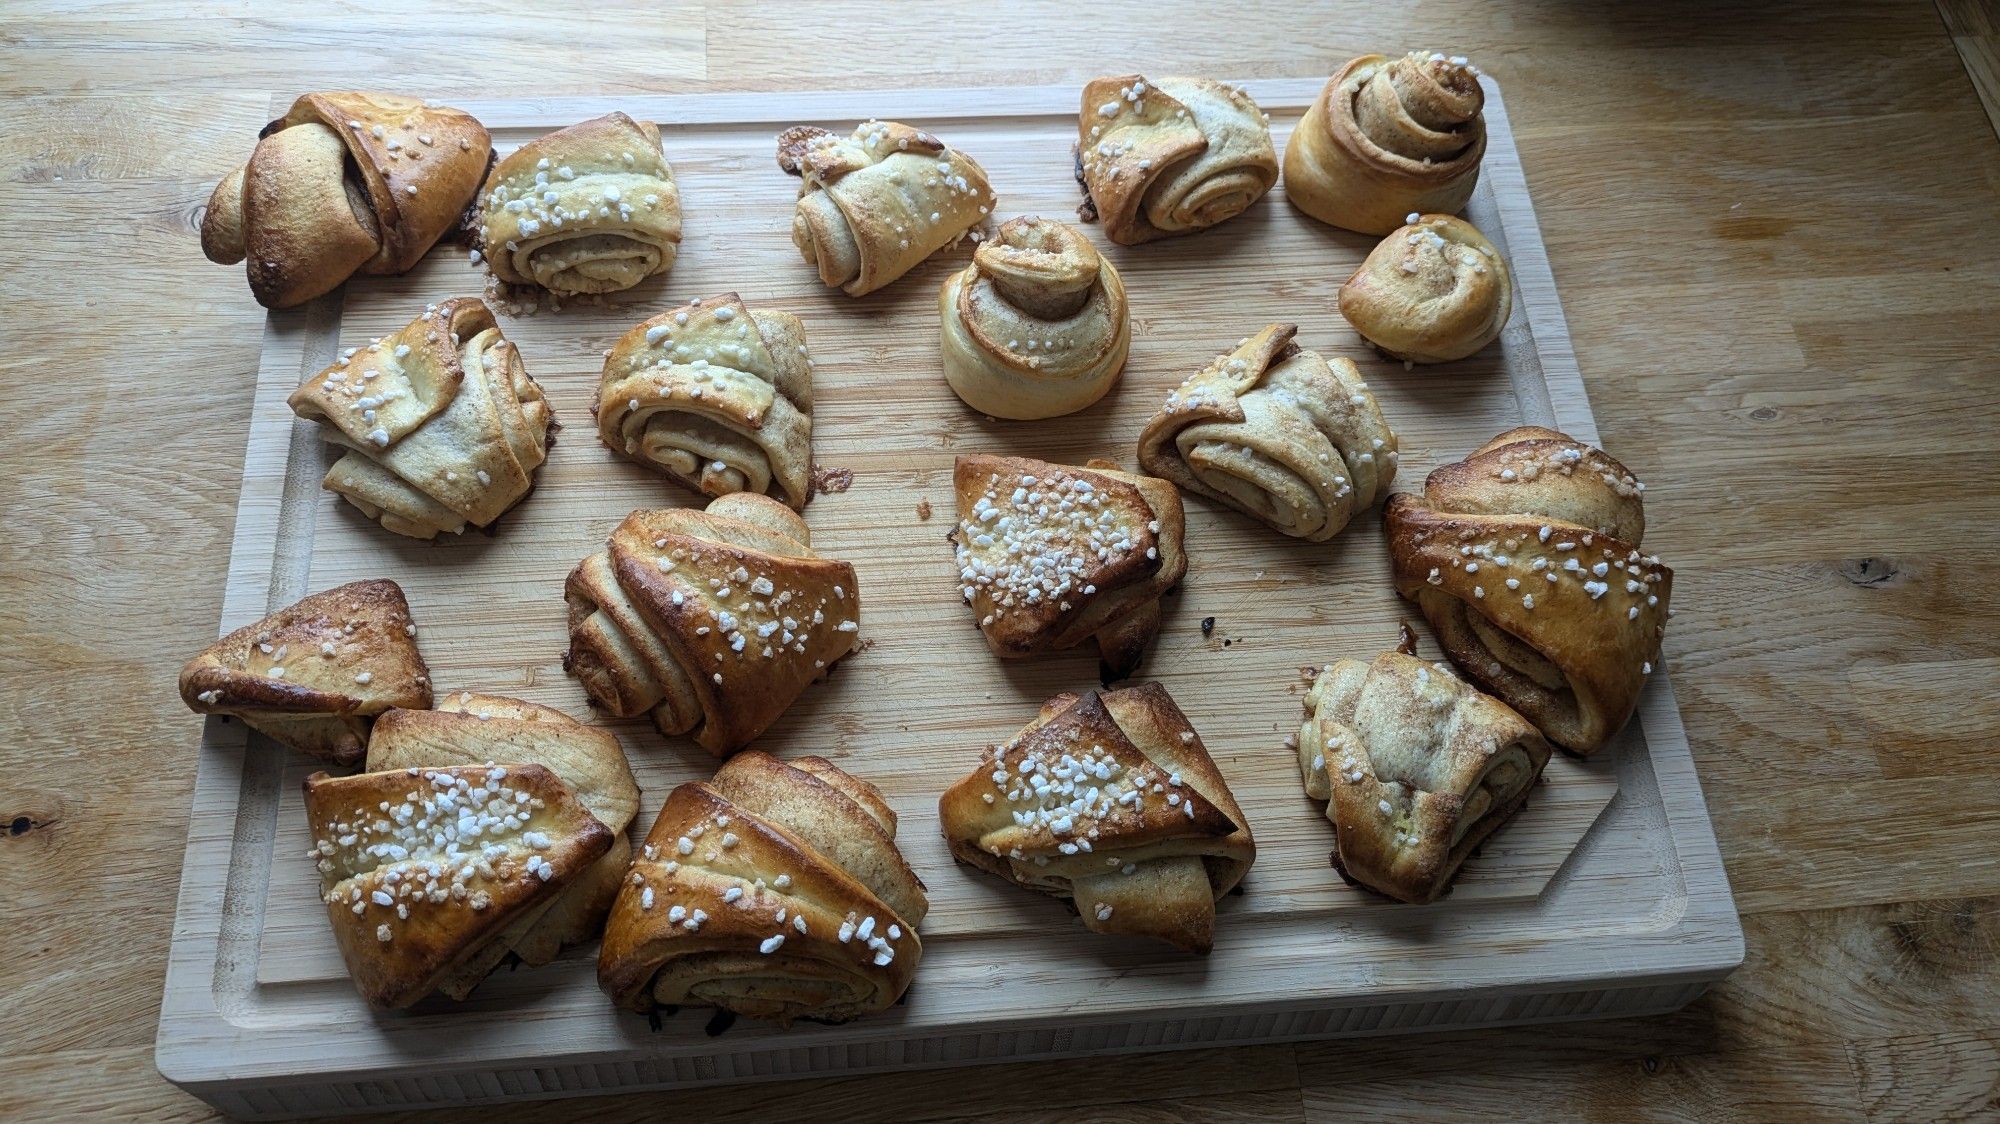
{"x": 1773, "y": 234}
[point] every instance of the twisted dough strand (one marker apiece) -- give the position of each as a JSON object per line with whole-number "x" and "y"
{"x": 441, "y": 422}
{"x": 1524, "y": 557}
{"x": 1388, "y": 137}
{"x": 592, "y": 208}
{"x": 1277, "y": 432}
{"x": 1417, "y": 769}
{"x": 717, "y": 396}
{"x": 775, "y": 891}
{"x": 1036, "y": 326}
{"x": 1169, "y": 157}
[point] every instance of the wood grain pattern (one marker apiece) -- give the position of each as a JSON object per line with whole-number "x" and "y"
{"x": 1771, "y": 226}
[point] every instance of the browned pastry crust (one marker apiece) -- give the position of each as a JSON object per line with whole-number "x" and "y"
{"x": 717, "y": 395}
{"x": 1110, "y": 801}
{"x": 344, "y": 183}
{"x": 415, "y": 891}
{"x": 441, "y": 423}
{"x": 1525, "y": 559}
{"x": 1037, "y": 325}
{"x": 592, "y": 208}
{"x": 774, "y": 891}
{"x": 470, "y": 729}
{"x": 1277, "y": 432}
{"x": 1417, "y": 769}
{"x": 1388, "y": 137}
{"x": 875, "y": 203}
{"x": 1170, "y": 156}
{"x": 1050, "y": 555}
{"x": 1433, "y": 291}
{"x": 315, "y": 674}
{"x": 713, "y": 621}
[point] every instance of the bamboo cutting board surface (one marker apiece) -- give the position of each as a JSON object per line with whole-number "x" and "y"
{"x": 1567, "y": 892}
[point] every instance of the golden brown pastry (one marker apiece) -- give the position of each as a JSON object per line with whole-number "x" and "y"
{"x": 1172, "y": 156}
{"x": 315, "y": 674}
{"x": 344, "y": 183}
{"x": 422, "y": 869}
{"x": 1277, "y": 432}
{"x": 468, "y": 729}
{"x": 1111, "y": 802}
{"x": 874, "y": 204}
{"x": 1050, "y": 556}
{"x": 1388, "y": 137}
{"x": 774, "y": 891}
{"x": 1525, "y": 559}
{"x": 1434, "y": 291}
{"x": 441, "y": 423}
{"x": 1036, "y": 326}
{"x": 717, "y": 396}
{"x": 713, "y": 620}
{"x": 1417, "y": 767}
{"x": 588, "y": 209}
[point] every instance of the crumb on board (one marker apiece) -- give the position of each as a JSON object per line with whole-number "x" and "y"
{"x": 831, "y": 481}
{"x": 923, "y": 509}
{"x": 1207, "y": 625}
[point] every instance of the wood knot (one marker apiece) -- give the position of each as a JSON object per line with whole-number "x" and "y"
{"x": 1873, "y": 573}
{"x": 1764, "y": 413}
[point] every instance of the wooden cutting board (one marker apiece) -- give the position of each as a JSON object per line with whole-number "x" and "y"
{"x": 1605, "y": 897}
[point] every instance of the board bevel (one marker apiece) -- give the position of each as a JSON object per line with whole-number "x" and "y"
{"x": 1638, "y": 919}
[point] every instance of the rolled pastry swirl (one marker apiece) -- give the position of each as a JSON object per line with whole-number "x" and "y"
{"x": 1417, "y": 769}
{"x": 774, "y": 891}
{"x": 1036, "y": 326}
{"x": 1525, "y": 559}
{"x": 422, "y": 870}
{"x": 717, "y": 396}
{"x": 344, "y": 183}
{"x": 1173, "y": 156}
{"x": 1278, "y": 432}
{"x": 1433, "y": 291}
{"x": 468, "y": 730}
{"x": 1388, "y": 137}
{"x": 1050, "y": 556}
{"x": 714, "y": 621}
{"x": 441, "y": 423}
{"x": 588, "y": 209}
{"x": 315, "y": 674}
{"x": 1111, "y": 802}
{"x": 874, "y": 204}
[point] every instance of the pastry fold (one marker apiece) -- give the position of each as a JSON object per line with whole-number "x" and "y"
{"x": 344, "y": 183}
{"x": 714, "y": 621}
{"x": 588, "y": 209}
{"x": 1388, "y": 137}
{"x": 468, "y": 729}
{"x": 1050, "y": 556}
{"x": 1111, "y": 802}
{"x": 716, "y": 395}
{"x": 1277, "y": 432}
{"x": 1524, "y": 557}
{"x": 441, "y": 422}
{"x": 1433, "y": 291}
{"x": 775, "y": 891}
{"x": 1172, "y": 156}
{"x": 422, "y": 869}
{"x": 875, "y": 203}
{"x": 1037, "y": 325}
{"x": 315, "y": 674}
{"x": 1417, "y": 769}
